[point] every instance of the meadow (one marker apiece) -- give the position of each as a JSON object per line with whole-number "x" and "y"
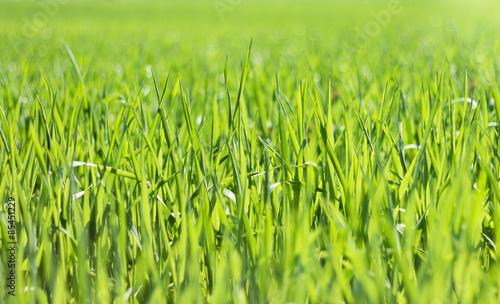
{"x": 250, "y": 152}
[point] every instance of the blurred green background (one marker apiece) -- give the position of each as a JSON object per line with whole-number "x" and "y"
{"x": 116, "y": 43}
{"x": 180, "y": 36}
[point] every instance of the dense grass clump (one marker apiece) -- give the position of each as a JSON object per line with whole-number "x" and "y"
{"x": 156, "y": 154}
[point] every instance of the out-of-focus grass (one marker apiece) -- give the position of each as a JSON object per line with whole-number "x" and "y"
{"x": 154, "y": 156}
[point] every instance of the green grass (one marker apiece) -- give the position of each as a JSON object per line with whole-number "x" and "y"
{"x": 158, "y": 152}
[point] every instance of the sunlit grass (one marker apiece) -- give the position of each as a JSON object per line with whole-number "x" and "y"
{"x": 158, "y": 153}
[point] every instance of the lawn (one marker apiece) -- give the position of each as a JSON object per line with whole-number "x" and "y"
{"x": 249, "y": 151}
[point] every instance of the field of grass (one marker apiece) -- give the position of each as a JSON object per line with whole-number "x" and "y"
{"x": 250, "y": 151}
